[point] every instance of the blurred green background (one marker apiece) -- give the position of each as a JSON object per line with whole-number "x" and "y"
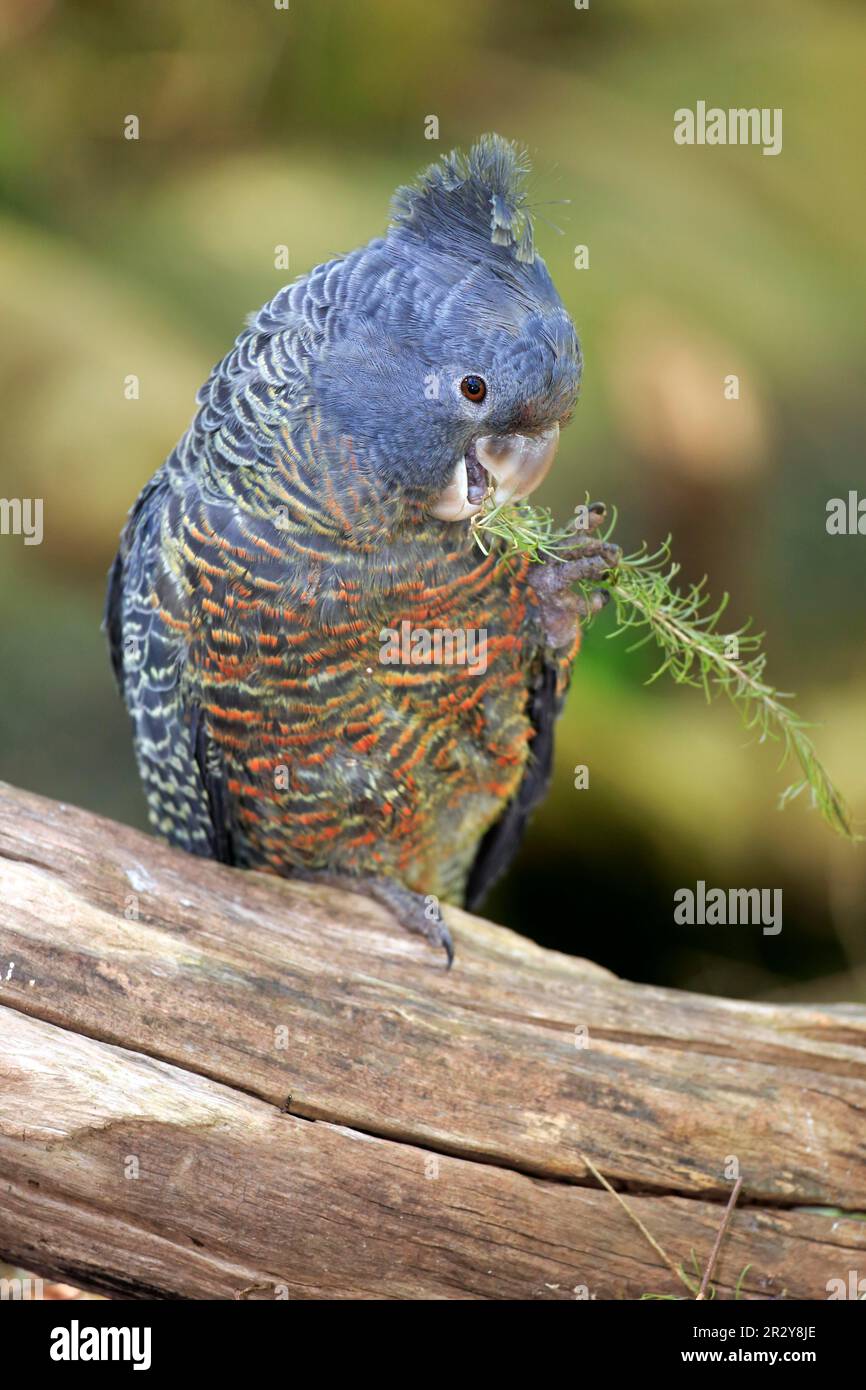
{"x": 262, "y": 127}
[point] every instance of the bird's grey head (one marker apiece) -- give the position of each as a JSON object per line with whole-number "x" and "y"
{"x": 452, "y": 362}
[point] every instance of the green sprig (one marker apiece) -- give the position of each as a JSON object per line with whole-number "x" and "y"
{"x": 684, "y": 624}
{"x": 521, "y": 529}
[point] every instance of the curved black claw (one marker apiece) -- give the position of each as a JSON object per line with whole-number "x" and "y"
{"x": 596, "y": 513}
{"x": 598, "y": 599}
{"x": 448, "y": 946}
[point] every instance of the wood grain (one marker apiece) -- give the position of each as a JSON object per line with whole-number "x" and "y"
{"x": 315, "y": 1105}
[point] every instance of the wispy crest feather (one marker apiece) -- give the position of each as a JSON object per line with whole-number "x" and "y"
{"x": 481, "y": 194}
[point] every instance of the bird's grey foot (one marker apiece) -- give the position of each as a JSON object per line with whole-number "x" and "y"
{"x": 417, "y": 913}
{"x": 414, "y": 911}
{"x": 589, "y": 561}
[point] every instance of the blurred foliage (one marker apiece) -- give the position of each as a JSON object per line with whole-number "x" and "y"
{"x": 261, "y": 127}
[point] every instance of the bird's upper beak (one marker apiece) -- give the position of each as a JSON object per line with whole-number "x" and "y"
{"x": 508, "y": 467}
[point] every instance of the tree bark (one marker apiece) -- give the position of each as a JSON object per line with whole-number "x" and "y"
{"x": 218, "y": 1084}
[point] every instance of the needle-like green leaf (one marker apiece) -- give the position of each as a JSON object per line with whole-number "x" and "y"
{"x": 686, "y": 627}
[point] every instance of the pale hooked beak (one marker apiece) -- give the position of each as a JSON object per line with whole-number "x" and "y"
{"x": 507, "y": 467}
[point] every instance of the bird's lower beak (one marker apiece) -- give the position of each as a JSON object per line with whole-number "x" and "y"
{"x": 505, "y": 467}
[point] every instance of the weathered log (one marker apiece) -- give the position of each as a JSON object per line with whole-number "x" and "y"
{"x": 221, "y": 1084}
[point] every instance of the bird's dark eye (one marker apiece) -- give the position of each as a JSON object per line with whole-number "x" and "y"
{"x": 474, "y": 388}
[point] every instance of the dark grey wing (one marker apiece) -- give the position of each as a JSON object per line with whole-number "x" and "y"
{"x": 147, "y": 625}
{"x": 112, "y": 622}
{"x": 502, "y": 841}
